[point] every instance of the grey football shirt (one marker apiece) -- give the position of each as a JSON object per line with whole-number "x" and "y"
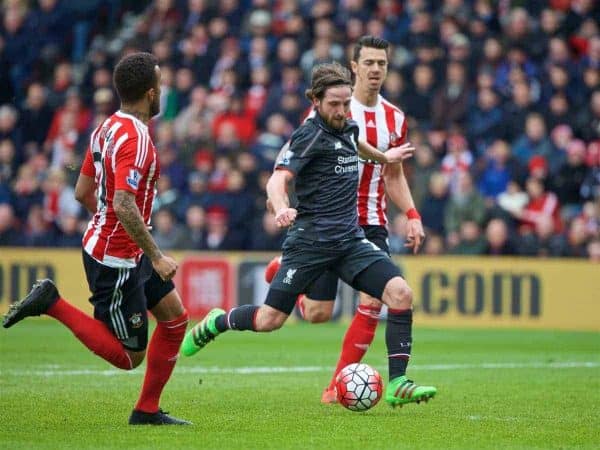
{"x": 325, "y": 164}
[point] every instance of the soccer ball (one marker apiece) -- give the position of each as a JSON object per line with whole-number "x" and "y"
{"x": 358, "y": 387}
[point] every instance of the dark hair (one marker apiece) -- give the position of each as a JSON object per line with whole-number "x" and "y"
{"x": 134, "y": 75}
{"x": 325, "y": 76}
{"x": 371, "y": 42}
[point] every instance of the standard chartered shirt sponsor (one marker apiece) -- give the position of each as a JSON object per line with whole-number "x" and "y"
{"x": 346, "y": 164}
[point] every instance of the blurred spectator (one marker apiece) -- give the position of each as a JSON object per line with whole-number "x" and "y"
{"x": 593, "y": 250}
{"x": 425, "y": 166}
{"x": 543, "y": 240}
{"x": 465, "y": 205}
{"x": 160, "y": 19}
{"x": 266, "y": 235}
{"x": 458, "y": 160}
{"x": 9, "y": 234}
{"x": 236, "y": 117}
{"x": 513, "y": 199}
{"x": 36, "y": 116}
{"x": 26, "y": 190}
{"x": 517, "y": 109}
{"x": 418, "y": 98}
{"x": 38, "y": 231}
{"x": 8, "y": 125}
{"x": 470, "y": 241}
{"x": 577, "y": 238}
{"x": 434, "y": 204}
{"x": 195, "y": 228}
{"x": 166, "y": 194}
{"x": 167, "y": 233}
{"x": 68, "y": 233}
{"x": 567, "y": 182}
{"x": 434, "y": 245}
{"x": 59, "y": 198}
{"x": 534, "y": 141}
{"x": 397, "y": 238}
{"x": 451, "y": 102}
{"x": 498, "y": 239}
{"x": 218, "y": 235}
{"x": 8, "y": 162}
{"x": 485, "y": 120}
{"x": 588, "y": 120}
{"x": 542, "y": 205}
{"x": 269, "y": 143}
{"x": 500, "y": 168}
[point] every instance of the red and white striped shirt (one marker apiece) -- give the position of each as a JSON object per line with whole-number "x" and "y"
{"x": 383, "y": 126}
{"x": 121, "y": 156}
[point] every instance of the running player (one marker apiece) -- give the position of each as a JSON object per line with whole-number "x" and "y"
{"x": 382, "y": 125}
{"x": 126, "y": 271}
{"x": 325, "y": 235}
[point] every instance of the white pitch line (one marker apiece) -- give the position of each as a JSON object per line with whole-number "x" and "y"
{"x": 57, "y": 371}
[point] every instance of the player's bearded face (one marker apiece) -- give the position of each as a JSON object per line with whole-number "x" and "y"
{"x": 334, "y": 106}
{"x": 371, "y": 68}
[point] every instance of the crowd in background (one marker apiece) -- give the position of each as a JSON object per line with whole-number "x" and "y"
{"x": 502, "y": 99}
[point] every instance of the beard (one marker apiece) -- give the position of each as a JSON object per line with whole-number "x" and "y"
{"x": 334, "y": 123}
{"x": 155, "y": 107}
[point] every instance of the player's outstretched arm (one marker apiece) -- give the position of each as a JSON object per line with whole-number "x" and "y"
{"x": 130, "y": 217}
{"x": 278, "y": 198}
{"x": 393, "y": 155}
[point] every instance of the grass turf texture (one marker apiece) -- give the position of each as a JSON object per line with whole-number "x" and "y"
{"x": 55, "y": 394}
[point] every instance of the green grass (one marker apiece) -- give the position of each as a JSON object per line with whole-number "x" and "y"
{"x": 55, "y": 394}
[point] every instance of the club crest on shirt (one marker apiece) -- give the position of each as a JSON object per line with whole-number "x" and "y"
{"x": 136, "y": 320}
{"x": 286, "y": 157}
{"x": 133, "y": 179}
{"x": 394, "y": 139}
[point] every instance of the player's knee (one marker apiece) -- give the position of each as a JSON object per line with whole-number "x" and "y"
{"x": 136, "y": 358}
{"x": 397, "y": 294}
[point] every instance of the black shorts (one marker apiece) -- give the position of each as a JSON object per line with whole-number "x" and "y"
{"x": 325, "y": 287}
{"x": 303, "y": 262}
{"x": 123, "y": 296}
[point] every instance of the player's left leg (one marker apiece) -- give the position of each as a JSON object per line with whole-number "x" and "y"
{"x": 383, "y": 279}
{"x": 172, "y": 319}
{"x": 368, "y": 269}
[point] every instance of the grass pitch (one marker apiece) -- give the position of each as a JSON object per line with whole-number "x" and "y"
{"x": 496, "y": 389}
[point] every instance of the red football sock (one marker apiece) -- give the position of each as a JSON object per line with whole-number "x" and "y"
{"x": 162, "y": 355}
{"x": 94, "y": 334}
{"x": 359, "y": 336}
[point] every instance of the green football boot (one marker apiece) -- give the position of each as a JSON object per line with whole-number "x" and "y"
{"x": 202, "y": 333}
{"x": 401, "y": 390}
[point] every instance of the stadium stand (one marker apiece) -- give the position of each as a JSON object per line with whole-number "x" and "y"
{"x": 503, "y": 100}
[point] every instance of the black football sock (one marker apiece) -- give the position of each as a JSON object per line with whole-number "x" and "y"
{"x": 398, "y": 338}
{"x": 240, "y": 318}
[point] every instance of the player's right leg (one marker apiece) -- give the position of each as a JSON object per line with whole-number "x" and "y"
{"x": 296, "y": 273}
{"x": 44, "y": 298}
{"x": 246, "y": 317}
{"x": 171, "y": 323}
